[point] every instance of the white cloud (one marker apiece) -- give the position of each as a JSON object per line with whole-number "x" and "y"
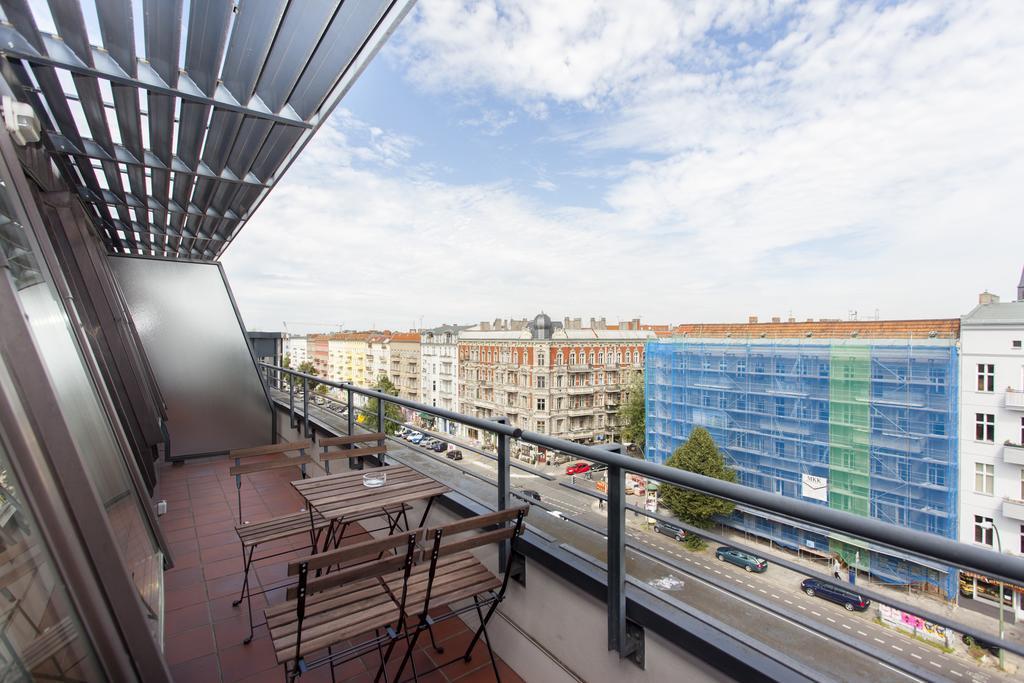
{"x": 841, "y": 156}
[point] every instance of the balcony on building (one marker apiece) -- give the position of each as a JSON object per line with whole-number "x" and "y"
{"x": 1013, "y": 453}
{"x": 1013, "y": 508}
{"x": 1014, "y": 399}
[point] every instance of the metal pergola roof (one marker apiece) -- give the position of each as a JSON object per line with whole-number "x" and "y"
{"x": 176, "y": 126}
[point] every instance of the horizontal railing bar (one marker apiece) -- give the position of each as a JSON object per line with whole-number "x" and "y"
{"x": 1003, "y": 567}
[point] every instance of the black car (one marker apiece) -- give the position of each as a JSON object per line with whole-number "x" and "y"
{"x": 530, "y": 493}
{"x": 669, "y": 529}
{"x": 454, "y": 455}
{"x": 439, "y": 447}
{"x": 971, "y": 641}
{"x": 851, "y": 600}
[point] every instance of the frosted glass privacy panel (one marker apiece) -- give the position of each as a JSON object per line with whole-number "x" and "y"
{"x": 197, "y": 346}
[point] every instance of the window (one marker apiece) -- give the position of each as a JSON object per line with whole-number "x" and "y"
{"x": 1021, "y": 431}
{"x": 986, "y": 377}
{"x": 541, "y": 426}
{"x": 981, "y": 534}
{"x": 985, "y": 427}
{"x": 541, "y": 404}
{"x": 984, "y": 478}
{"x": 541, "y": 381}
{"x": 1016, "y": 343}
{"x": 591, "y": 357}
{"x": 600, "y": 357}
{"x": 1022, "y": 484}
{"x": 558, "y": 358}
{"x": 629, "y": 356}
{"x": 1022, "y": 538}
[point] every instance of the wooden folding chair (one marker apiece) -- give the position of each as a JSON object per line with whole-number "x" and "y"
{"x": 252, "y": 535}
{"x": 349, "y": 447}
{"x": 447, "y": 573}
{"x": 323, "y": 611}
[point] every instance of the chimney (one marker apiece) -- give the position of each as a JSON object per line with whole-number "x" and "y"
{"x": 987, "y": 297}
{"x": 776, "y": 319}
{"x": 1020, "y": 287}
{"x": 485, "y": 326}
{"x": 751, "y": 319}
{"x": 790, "y": 319}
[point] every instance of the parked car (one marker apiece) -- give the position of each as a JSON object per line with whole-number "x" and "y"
{"x": 401, "y": 432}
{"x": 849, "y": 599}
{"x": 749, "y": 562}
{"x": 417, "y": 437}
{"x": 428, "y": 442}
{"x": 578, "y": 468}
{"x": 971, "y": 641}
{"x": 669, "y": 529}
{"x": 530, "y": 493}
{"x": 454, "y": 455}
{"x": 440, "y": 447}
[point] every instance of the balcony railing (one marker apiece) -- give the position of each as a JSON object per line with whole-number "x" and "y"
{"x": 610, "y": 556}
{"x": 575, "y": 391}
{"x": 1013, "y": 508}
{"x": 1015, "y": 399}
{"x": 1013, "y": 454}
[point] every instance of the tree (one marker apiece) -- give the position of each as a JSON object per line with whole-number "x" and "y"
{"x": 392, "y": 413}
{"x": 700, "y": 455}
{"x": 633, "y": 414}
{"x": 309, "y": 369}
{"x": 284, "y": 378}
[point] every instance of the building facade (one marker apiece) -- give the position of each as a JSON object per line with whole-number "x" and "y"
{"x": 295, "y": 350}
{"x": 439, "y": 369}
{"x": 405, "y": 364}
{"x": 347, "y": 357}
{"x": 378, "y": 357}
{"x": 992, "y": 436}
{"x": 559, "y": 379}
{"x": 857, "y": 416}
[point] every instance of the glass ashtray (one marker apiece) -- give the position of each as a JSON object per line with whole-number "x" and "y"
{"x": 372, "y": 480}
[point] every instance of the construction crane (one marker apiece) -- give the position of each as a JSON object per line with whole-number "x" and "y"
{"x": 340, "y": 326}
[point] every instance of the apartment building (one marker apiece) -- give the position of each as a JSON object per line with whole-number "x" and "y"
{"x": 439, "y": 369}
{"x": 295, "y": 350}
{"x": 347, "y": 357}
{"x": 992, "y": 436}
{"x": 561, "y": 379}
{"x": 405, "y": 364}
{"x": 378, "y": 357}
{"x": 857, "y": 416}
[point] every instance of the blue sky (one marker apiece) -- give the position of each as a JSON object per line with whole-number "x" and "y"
{"x": 682, "y": 161}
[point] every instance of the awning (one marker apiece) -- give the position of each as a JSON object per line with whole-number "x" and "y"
{"x": 994, "y": 582}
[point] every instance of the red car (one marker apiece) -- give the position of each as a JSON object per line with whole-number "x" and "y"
{"x": 578, "y": 468}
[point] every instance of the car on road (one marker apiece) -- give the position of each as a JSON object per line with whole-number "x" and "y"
{"x": 454, "y": 454}
{"x": 530, "y": 493}
{"x": 402, "y": 431}
{"x": 851, "y": 600}
{"x": 417, "y": 437}
{"x": 669, "y": 529}
{"x": 971, "y": 641}
{"x": 578, "y": 468}
{"x": 428, "y": 442}
{"x": 748, "y": 562}
{"x": 439, "y": 446}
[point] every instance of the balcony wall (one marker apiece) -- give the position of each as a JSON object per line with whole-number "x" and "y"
{"x": 1013, "y": 455}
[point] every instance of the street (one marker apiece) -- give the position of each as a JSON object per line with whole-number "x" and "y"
{"x": 846, "y": 646}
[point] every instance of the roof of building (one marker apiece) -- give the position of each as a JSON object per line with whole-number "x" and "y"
{"x": 582, "y": 334}
{"x": 1009, "y": 313}
{"x": 406, "y": 337}
{"x": 943, "y": 328}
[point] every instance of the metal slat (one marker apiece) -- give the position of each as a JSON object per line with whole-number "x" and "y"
{"x": 256, "y": 26}
{"x": 288, "y": 58}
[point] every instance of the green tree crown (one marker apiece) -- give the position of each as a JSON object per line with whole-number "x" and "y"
{"x": 633, "y": 414}
{"x": 700, "y": 455}
{"x": 392, "y": 413}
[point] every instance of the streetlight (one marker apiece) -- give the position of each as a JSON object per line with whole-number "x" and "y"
{"x": 999, "y": 546}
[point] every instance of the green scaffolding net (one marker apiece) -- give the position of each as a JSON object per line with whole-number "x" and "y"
{"x": 849, "y": 437}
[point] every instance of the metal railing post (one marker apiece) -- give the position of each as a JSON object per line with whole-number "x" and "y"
{"x": 381, "y": 427}
{"x": 504, "y": 485}
{"x": 291, "y": 402}
{"x": 616, "y": 559}
{"x": 305, "y": 408}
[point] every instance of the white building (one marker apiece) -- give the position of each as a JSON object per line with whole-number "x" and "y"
{"x": 295, "y": 349}
{"x": 992, "y": 434}
{"x": 378, "y": 357}
{"x": 439, "y": 369}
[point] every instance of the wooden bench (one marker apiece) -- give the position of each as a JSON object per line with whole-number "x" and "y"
{"x": 349, "y": 447}
{"x": 251, "y": 535}
{"x": 46, "y": 646}
{"x": 353, "y": 599}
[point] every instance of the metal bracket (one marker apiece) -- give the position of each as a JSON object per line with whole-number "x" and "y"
{"x": 633, "y": 648}
{"x": 517, "y": 572}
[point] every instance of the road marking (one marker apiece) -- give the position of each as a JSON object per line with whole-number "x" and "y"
{"x": 834, "y": 621}
{"x": 737, "y": 580}
{"x": 846, "y": 626}
{"x": 861, "y": 632}
{"x": 956, "y": 673}
{"x": 788, "y": 602}
{"x": 877, "y": 640}
{"x": 935, "y": 664}
{"x": 717, "y": 572}
{"x": 777, "y": 597}
{"x": 896, "y": 647}
{"x": 763, "y": 591}
{"x": 688, "y": 559}
{"x": 915, "y": 655}
{"x": 800, "y": 607}
{"x": 750, "y": 585}
{"x": 817, "y": 614}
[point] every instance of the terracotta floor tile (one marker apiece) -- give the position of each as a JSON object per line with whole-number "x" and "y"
{"x": 183, "y": 577}
{"x": 184, "y": 597}
{"x": 186, "y": 560}
{"x": 244, "y": 661}
{"x": 223, "y": 538}
{"x": 200, "y": 670}
{"x": 186, "y": 534}
{"x": 221, "y": 552}
{"x": 179, "y": 620}
{"x": 216, "y": 570}
{"x": 190, "y": 644}
{"x": 221, "y": 608}
{"x": 225, "y": 585}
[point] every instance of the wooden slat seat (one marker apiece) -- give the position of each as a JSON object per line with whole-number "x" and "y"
{"x": 270, "y": 449}
{"x": 332, "y": 616}
{"x": 276, "y": 464}
{"x": 456, "y": 578}
{"x": 277, "y": 528}
{"x": 351, "y": 439}
{"x": 347, "y": 453}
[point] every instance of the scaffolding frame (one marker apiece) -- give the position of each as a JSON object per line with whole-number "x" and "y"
{"x": 876, "y": 418}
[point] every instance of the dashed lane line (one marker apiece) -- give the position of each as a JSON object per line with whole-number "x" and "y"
{"x": 788, "y": 602}
{"x": 935, "y": 664}
{"x": 896, "y": 647}
{"x": 915, "y": 655}
{"x": 862, "y": 633}
{"x": 846, "y": 626}
{"x": 830, "y": 619}
{"x": 877, "y": 640}
{"x": 956, "y": 673}
{"x": 718, "y": 572}
{"x": 750, "y": 585}
{"x": 817, "y": 614}
{"x": 777, "y": 597}
{"x": 763, "y": 591}
{"x": 801, "y": 607}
